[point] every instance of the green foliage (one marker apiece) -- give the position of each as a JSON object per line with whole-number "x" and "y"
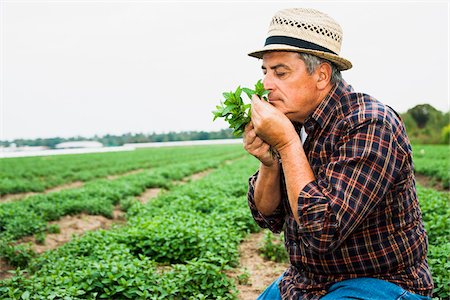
{"x": 40, "y": 238}
{"x": 177, "y": 246}
{"x": 30, "y": 215}
{"x": 118, "y": 140}
{"x": 53, "y": 228}
{"x": 439, "y": 262}
{"x": 446, "y": 134}
{"x": 421, "y": 114}
{"x": 433, "y": 161}
{"x": 17, "y": 255}
{"x": 244, "y": 277}
{"x": 425, "y": 124}
{"x": 235, "y": 111}
{"x": 273, "y": 248}
{"x": 435, "y": 208}
{"x": 35, "y": 174}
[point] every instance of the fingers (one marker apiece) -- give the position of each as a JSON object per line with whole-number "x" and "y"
{"x": 252, "y": 142}
{"x": 249, "y": 133}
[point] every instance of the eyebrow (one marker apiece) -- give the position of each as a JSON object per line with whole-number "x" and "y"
{"x": 276, "y": 67}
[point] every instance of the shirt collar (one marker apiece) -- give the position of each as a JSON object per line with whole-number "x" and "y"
{"x": 327, "y": 108}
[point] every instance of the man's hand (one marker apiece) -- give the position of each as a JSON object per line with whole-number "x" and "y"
{"x": 271, "y": 125}
{"x": 257, "y": 147}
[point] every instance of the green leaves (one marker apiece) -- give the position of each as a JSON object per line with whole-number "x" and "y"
{"x": 273, "y": 247}
{"x": 235, "y": 111}
{"x": 177, "y": 246}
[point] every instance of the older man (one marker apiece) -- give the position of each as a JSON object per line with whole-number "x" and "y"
{"x": 345, "y": 195}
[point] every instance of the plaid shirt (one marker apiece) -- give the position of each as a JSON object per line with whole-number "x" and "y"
{"x": 360, "y": 217}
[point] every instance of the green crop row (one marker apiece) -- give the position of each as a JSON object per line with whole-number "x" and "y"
{"x": 36, "y": 174}
{"x": 435, "y": 208}
{"x": 433, "y": 161}
{"x": 177, "y": 246}
{"x": 30, "y": 215}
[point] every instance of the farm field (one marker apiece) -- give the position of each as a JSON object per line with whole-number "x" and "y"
{"x": 36, "y": 174}
{"x": 434, "y": 162}
{"x": 180, "y": 245}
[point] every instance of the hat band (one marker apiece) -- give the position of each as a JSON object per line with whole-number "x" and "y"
{"x": 290, "y": 41}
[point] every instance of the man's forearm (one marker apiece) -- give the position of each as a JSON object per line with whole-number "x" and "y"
{"x": 297, "y": 172}
{"x": 267, "y": 189}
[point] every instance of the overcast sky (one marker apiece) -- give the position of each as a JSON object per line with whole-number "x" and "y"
{"x": 73, "y": 68}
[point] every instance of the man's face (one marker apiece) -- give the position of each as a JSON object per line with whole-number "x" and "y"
{"x": 292, "y": 90}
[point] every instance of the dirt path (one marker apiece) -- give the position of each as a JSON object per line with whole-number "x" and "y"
{"x": 15, "y": 197}
{"x": 430, "y": 183}
{"x": 5, "y": 268}
{"x": 261, "y": 272}
{"x": 76, "y": 225}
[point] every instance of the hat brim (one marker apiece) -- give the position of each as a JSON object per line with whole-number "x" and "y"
{"x": 342, "y": 63}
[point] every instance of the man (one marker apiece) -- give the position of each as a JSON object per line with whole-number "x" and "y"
{"x": 345, "y": 195}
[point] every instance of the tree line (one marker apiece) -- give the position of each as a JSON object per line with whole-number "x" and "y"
{"x": 427, "y": 125}
{"x": 110, "y": 140}
{"x": 424, "y": 125}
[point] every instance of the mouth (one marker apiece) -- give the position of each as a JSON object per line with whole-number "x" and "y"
{"x": 272, "y": 98}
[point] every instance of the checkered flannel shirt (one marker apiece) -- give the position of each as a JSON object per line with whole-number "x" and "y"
{"x": 361, "y": 216}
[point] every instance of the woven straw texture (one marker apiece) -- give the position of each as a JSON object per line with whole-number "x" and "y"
{"x": 309, "y": 25}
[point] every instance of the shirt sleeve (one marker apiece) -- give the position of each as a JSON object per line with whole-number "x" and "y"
{"x": 362, "y": 168}
{"x": 275, "y": 221}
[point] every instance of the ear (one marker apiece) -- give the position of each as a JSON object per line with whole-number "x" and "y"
{"x": 324, "y": 75}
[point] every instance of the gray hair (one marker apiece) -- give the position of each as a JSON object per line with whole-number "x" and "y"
{"x": 312, "y": 62}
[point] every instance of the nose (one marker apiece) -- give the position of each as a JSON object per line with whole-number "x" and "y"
{"x": 268, "y": 82}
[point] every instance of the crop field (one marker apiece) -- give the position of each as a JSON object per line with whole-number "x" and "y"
{"x": 433, "y": 161}
{"x": 179, "y": 245}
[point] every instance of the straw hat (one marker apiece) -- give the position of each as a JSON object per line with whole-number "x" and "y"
{"x": 308, "y": 31}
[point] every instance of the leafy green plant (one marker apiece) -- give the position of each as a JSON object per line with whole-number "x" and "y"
{"x": 273, "y": 247}
{"x": 40, "y": 237}
{"x": 17, "y": 255}
{"x": 53, "y": 228}
{"x": 435, "y": 208}
{"x": 244, "y": 277}
{"x": 177, "y": 246}
{"x": 36, "y": 174}
{"x": 235, "y": 111}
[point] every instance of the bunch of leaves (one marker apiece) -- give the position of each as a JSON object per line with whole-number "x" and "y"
{"x": 235, "y": 111}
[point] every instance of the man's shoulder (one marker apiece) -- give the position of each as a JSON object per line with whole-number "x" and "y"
{"x": 360, "y": 109}
{"x": 357, "y": 108}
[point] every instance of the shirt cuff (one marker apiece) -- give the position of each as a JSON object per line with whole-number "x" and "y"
{"x": 314, "y": 210}
{"x": 275, "y": 221}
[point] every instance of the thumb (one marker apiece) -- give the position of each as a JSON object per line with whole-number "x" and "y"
{"x": 255, "y": 99}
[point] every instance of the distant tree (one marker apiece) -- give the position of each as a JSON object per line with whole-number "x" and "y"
{"x": 422, "y": 113}
{"x": 446, "y": 134}
{"x": 425, "y": 124}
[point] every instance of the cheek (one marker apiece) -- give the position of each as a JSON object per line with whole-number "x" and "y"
{"x": 294, "y": 98}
